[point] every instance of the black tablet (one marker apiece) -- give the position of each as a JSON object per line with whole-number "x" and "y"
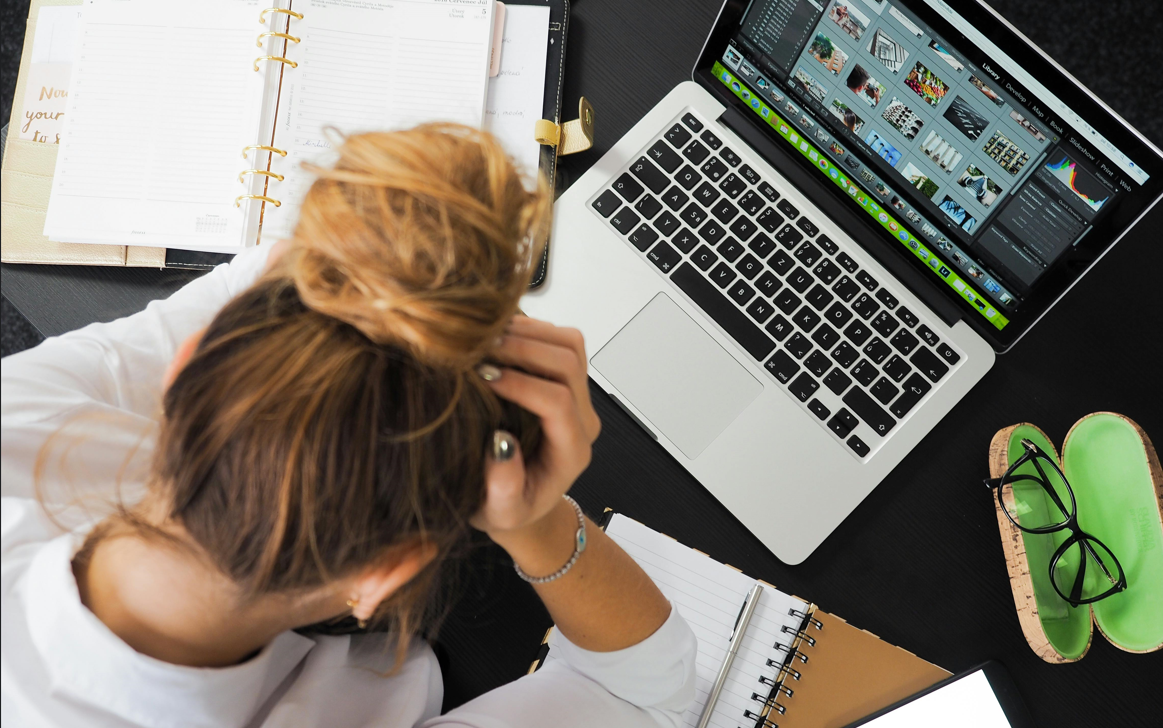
{"x": 984, "y": 697}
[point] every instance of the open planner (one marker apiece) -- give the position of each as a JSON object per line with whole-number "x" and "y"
{"x": 797, "y": 666}
{"x": 219, "y": 103}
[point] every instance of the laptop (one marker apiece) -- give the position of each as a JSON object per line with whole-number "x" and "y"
{"x": 799, "y": 261}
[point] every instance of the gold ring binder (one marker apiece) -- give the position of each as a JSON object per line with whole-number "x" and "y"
{"x": 269, "y": 34}
{"x": 263, "y": 147}
{"x": 238, "y": 200}
{"x": 280, "y": 59}
{"x": 263, "y": 172}
{"x": 262, "y": 17}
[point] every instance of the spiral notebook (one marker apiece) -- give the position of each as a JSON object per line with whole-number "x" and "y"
{"x": 797, "y": 667}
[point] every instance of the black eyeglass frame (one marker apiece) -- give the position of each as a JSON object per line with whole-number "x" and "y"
{"x": 1035, "y": 454}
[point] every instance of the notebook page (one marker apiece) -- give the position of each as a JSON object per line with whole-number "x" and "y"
{"x": 517, "y": 94}
{"x": 162, "y": 100}
{"x": 369, "y": 65}
{"x": 709, "y": 595}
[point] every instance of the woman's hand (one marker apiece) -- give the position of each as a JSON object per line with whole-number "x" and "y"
{"x": 553, "y": 385}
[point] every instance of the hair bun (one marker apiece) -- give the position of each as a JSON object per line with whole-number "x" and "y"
{"x": 422, "y": 238}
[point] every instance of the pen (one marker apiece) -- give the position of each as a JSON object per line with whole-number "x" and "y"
{"x": 733, "y": 649}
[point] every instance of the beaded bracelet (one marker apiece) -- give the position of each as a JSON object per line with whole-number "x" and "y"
{"x": 578, "y": 549}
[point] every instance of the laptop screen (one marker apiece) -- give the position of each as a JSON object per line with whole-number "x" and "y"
{"x": 983, "y": 174}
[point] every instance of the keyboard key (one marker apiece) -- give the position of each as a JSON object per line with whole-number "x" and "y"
{"x": 730, "y": 157}
{"x": 890, "y": 302}
{"x": 751, "y": 203}
{"x": 769, "y": 219}
{"x": 650, "y": 175}
{"x": 858, "y": 446}
{"x": 628, "y": 187}
{"x": 722, "y": 275}
{"x": 846, "y": 262}
{"x": 743, "y": 227}
{"x": 710, "y": 139}
{"x": 768, "y": 284}
{"x": 864, "y": 372}
{"x": 688, "y": 177}
{"x": 782, "y": 366}
{"x": 761, "y": 245}
{"x": 678, "y": 136}
{"x": 760, "y": 310}
{"x": 800, "y": 279}
{"x": 818, "y": 363}
{"x": 838, "y": 315}
{"x": 844, "y": 354}
{"x": 667, "y": 223}
{"x": 826, "y": 337}
{"x": 808, "y": 227}
{"x": 818, "y": 409}
{"x": 731, "y": 249}
{"x": 704, "y": 257}
{"x": 695, "y": 125}
{"x": 803, "y": 387}
{"x": 869, "y": 411}
{"x": 781, "y": 262}
{"x": 846, "y": 288}
{"x": 837, "y": 381}
{"x": 904, "y": 342}
{"x": 749, "y": 266}
{"x": 768, "y": 191}
{"x": 733, "y": 185}
{"x": 826, "y": 243}
{"x": 664, "y": 257}
{"x": 722, "y": 311}
{"x": 725, "y": 212}
{"x": 779, "y": 328}
{"x": 706, "y": 194}
{"x": 715, "y": 169}
{"x": 788, "y": 209}
{"x": 929, "y": 364}
{"x": 819, "y": 297}
{"x": 927, "y": 334}
{"x": 685, "y": 240}
{"x": 606, "y": 203}
{"x": 693, "y": 215}
{"x": 915, "y": 388}
{"x": 625, "y": 220}
{"x": 945, "y": 352}
{"x": 648, "y": 206}
{"x": 907, "y": 317}
{"x": 806, "y": 319}
{"x": 712, "y": 232}
{"x": 675, "y": 198}
{"x": 843, "y": 423}
{"x": 826, "y": 271}
{"x": 884, "y": 323}
{"x": 643, "y": 237}
{"x": 884, "y": 390}
{"x": 695, "y": 152}
{"x": 741, "y": 292}
{"x": 867, "y": 281}
{"x": 877, "y": 350}
{"x": 664, "y": 156}
{"x": 751, "y": 176}
{"x": 864, "y": 306}
{"x": 857, "y": 333}
{"x": 897, "y": 368}
{"x": 787, "y": 301}
{"x": 798, "y": 345}
{"x": 789, "y": 237}
{"x": 807, "y": 254}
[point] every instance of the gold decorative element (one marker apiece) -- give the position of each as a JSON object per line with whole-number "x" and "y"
{"x": 238, "y": 200}
{"x": 262, "y": 17}
{"x": 269, "y": 34}
{"x": 263, "y": 172}
{"x": 280, "y": 59}
{"x": 246, "y": 150}
{"x": 571, "y": 137}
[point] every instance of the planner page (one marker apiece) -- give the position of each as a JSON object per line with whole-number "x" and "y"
{"x": 517, "y": 94}
{"x": 161, "y": 102}
{"x": 372, "y": 65}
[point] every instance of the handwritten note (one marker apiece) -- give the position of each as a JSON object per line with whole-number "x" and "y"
{"x": 517, "y": 93}
{"x": 46, "y": 93}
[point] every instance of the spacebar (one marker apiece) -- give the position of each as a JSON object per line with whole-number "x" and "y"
{"x": 722, "y": 311}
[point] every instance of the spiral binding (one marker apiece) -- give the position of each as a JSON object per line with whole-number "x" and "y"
{"x": 803, "y": 635}
{"x": 769, "y": 702}
{"x": 793, "y": 612}
{"x": 776, "y": 687}
{"x": 761, "y": 721}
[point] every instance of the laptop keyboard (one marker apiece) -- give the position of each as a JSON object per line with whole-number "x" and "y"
{"x": 831, "y": 334}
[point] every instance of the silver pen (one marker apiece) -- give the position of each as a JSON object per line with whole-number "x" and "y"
{"x": 732, "y": 650}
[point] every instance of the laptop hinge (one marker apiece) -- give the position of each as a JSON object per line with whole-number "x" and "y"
{"x": 841, "y": 213}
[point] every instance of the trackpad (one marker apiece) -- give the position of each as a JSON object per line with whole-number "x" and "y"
{"x": 673, "y": 372}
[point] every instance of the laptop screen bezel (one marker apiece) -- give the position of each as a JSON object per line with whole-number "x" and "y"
{"x": 1074, "y": 263}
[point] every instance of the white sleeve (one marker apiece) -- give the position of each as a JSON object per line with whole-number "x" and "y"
{"x": 96, "y": 392}
{"x": 649, "y": 685}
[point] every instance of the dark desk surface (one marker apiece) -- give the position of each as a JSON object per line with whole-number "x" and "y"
{"x": 919, "y": 562}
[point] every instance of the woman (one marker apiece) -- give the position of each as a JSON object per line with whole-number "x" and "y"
{"x": 331, "y": 419}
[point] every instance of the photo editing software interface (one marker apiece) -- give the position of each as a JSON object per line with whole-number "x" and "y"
{"x": 986, "y": 182}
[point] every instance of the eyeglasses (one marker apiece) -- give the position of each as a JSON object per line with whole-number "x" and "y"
{"x": 1082, "y": 568}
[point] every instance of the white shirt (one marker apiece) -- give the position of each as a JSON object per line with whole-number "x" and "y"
{"x": 96, "y": 394}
